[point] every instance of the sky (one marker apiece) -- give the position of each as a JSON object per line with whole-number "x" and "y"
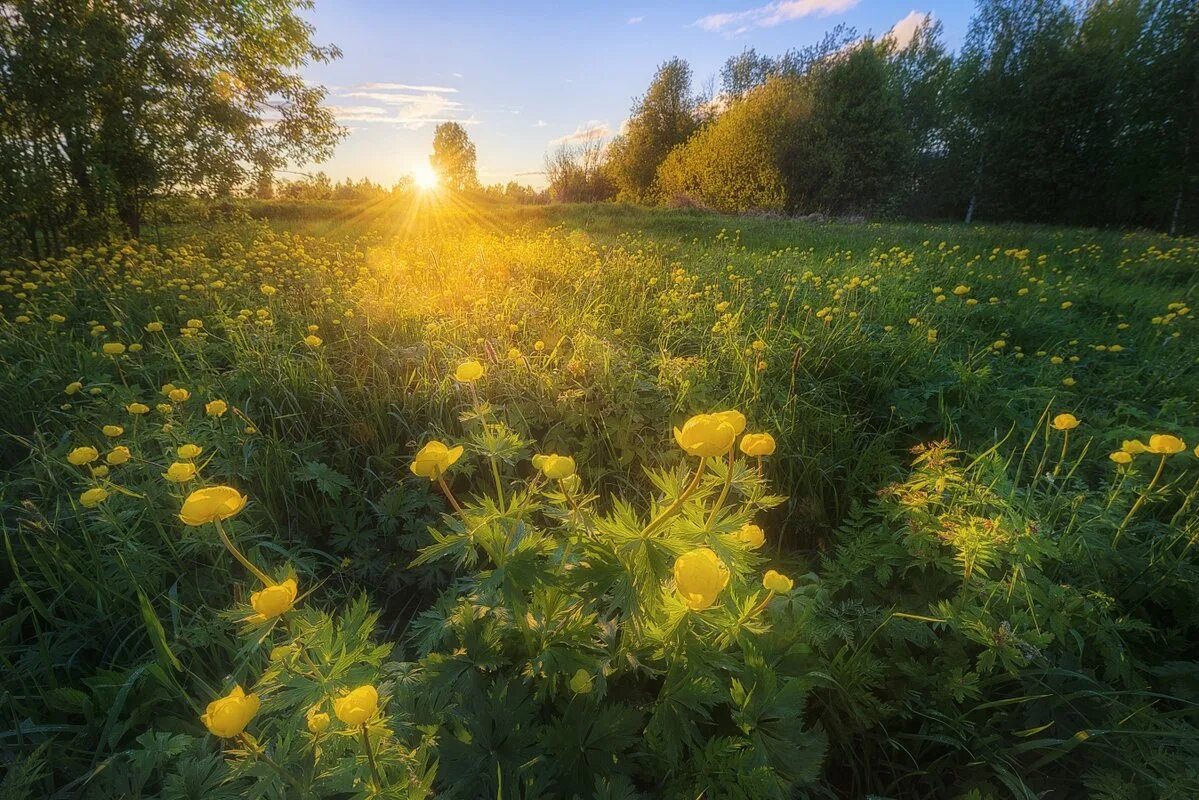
{"x": 524, "y": 76}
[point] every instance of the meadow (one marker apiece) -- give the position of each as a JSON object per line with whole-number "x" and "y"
{"x": 454, "y": 499}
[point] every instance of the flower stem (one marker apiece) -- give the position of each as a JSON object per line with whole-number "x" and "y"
{"x": 245, "y": 562}
{"x": 370, "y": 757}
{"x": 1140, "y": 500}
{"x": 450, "y": 496}
{"x": 728, "y": 481}
{"x": 667, "y": 513}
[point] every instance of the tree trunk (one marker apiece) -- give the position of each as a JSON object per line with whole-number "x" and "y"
{"x": 130, "y": 213}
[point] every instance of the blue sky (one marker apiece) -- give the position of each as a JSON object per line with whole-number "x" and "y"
{"x": 523, "y": 75}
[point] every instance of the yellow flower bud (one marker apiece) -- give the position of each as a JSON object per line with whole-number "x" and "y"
{"x": 228, "y": 716}
{"x": 757, "y": 444}
{"x": 777, "y": 582}
{"x": 317, "y": 720}
{"x": 212, "y": 503}
{"x": 180, "y": 472}
{"x": 1121, "y": 457}
{"x": 93, "y": 497}
{"x": 188, "y": 451}
{"x": 83, "y": 455}
{"x": 112, "y": 431}
{"x": 555, "y": 467}
{"x": 178, "y": 395}
{"x": 469, "y": 371}
{"x": 137, "y": 409}
{"x": 751, "y": 535}
{"x": 700, "y": 576}
{"x": 274, "y": 600}
{"x": 357, "y": 706}
{"x": 118, "y": 455}
{"x": 706, "y": 435}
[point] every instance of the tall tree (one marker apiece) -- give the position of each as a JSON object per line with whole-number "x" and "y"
{"x": 454, "y": 157}
{"x": 659, "y": 121}
{"x": 113, "y": 101}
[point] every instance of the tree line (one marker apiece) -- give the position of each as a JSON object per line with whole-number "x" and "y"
{"x": 1051, "y": 111}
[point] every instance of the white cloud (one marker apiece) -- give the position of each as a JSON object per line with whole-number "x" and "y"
{"x": 771, "y": 14}
{"x": 903, "y": 31}
{"x": 411, "y": 106}
{"x": 634, "y": 20}
{"x": 587, "y": 132}
{"x": 539, "y": 123}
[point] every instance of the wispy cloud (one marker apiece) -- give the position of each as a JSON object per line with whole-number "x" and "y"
{"x": 587, "y": 132}
{"x": 771, "y": 14}
{"x": 903, "y": 31}
{"x": 539, "y": 123}
{"x": 408, "y": 105}
{"x": 634, "y": 20}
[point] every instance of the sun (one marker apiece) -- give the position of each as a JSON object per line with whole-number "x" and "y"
{"x": 425, "y": 177}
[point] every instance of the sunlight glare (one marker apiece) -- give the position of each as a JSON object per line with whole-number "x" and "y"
{"x": 425, "y": 177}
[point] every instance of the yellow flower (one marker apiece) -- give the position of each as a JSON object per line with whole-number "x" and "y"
{"x": 195, "y": 324}
{"x": 317, "y": 720}
{"x": 213, "y": 503}
{"x": 1133, "y": 447}
{"x": 734, "y": 418}
{"x": 961, "y": 290}
{"x": 153, "y": 327}
{"x": 1163, "y": 444}
{"x": 274, "y": 600}
{"x": 180, "y": 472}
{"x": 83, "y": 455}
{"x": 1121, "y": 457}
{"x": 137, "y": 408}
{"x": 469, "y": 371}
{"x": 313, "y": 341}
{"x": 163, "y": 408}
{"x": 93, "y": 497}
{"x": 777, "y": 582}
{"x": 112, "y": 431}
{"x": 357, "y": 706}
{"x": 99, "y": 471}
{"x": 1065, "y": 422}
{"x": 118, "y": 455}
{"x": 56, "y": 318}
{"x": 434, "y": 459}
{"x": 757, "y": 444}
{"x": 73, "y": 387}
{"x": 178, "y": 395}
{"x": 699, "y": 577}
{"x": 216, "y": 408}
{"x": 113, "y": 348}
{"x": 753, "y": 536}
{"x": 554, "y": 466}
{"x": 706, "y": 435}
{"x": 229, "y": 716}
{"x": 188, "y": 451}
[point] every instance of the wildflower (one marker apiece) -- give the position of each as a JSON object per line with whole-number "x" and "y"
{"x": 706, "y": 435}
{"x": 734, "y": 418}
{"x": 468, "y": 372}
{"x": 961, "y": 290}
{"x": 179, "y": 395}
{"x": 554, "y": 466}
{"x": 137, "y": 409}
{"x": 313, "y": 341}
{"x": 356, "y": 707}
{"x": 136, "y": 347}
{"x": 163, "y": 408}
{"x": 777, "y": 582}
{"x": 1065, "y": 422}
{"x": 153, "y": 327}
{"x": 751, "y": 535}
{"x": 216, "y": 408}
{"x": 188, "y": 451}
{"x": 112, "y": 431}
{"x": 274, "y": 600}
{"x": 434, "y": 459}
{"x": 228, "y": 716}
{"x": 757, "y": 444}
{"x": 73, "y": 387}
{"x": 211, "y": 504}
{"x": 99, "y": 471}
{"x": 56, "y": 318}
{"x": 1121, "y": 457}
{"x": 93, "y": 497}
{"x": 317, "y": 720}
{"x": 118, "y": 455}
{"x": 83, "y": 455}
{"x": 1068, "y": 381}
{"x": 1163, "y": 444}
{"x": 113, "y": 348}
{"x": 180, "y": 472}
{"x": 195, "y": 324}
{"x": 1133, "y": 447}
{"x": 699, "y": 577}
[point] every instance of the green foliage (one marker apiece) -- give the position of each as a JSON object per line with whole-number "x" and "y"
{"x": 453, "y": 157}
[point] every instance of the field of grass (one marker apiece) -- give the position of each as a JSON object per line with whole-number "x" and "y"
{"x": 981, "y": 500}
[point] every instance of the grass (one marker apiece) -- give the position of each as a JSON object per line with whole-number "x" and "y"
{"x": 598, "y": 325}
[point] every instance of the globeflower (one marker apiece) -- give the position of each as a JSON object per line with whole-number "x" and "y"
{"x": 137, "y": 409}
{"x": 734, "y": 418}
{"x": 1163, "y": 444}
{"x": 699, "y": 576}
{"x": 211, "y": 504}
{"x": 1133, "y": 447}
{"x": 228, "y": 716}
{"x": 93, "y": 497}
{"x": 118, "y": 455}
{"x": 178, "y": 395}
{"x": 188, "y": 451}
{"x": 757, "y": 444}
{"x": 73, "y": 387}
{"x": 113, "y": 348}
{"x": 554, "y": 466}
{"x": 961, "y": 290}
{"x": 751, "y": 535}
{"x": 469, "y": 371}
{"x": 706, "y": 435}
{"x": 434, "y": 459}
{"x": 216, "y": 408}
{"x": 112, "y": 431}
{"x": 317, "y": 720}
{"x": 1121, "y": 457}
{"x": 777, "y": 582}
{"x": 180, "y": 472}
{"x": 356, "y": 707}
{"x": 83, "y": 455}
{"x": 154, "y": 327}
{"x": 1065, "y": 422}
{"x": 274, "y": 600}
{"x": 313, "y": 341}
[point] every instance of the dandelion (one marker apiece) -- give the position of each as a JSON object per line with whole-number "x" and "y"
{"x": 700, "y": 576}
{"x": 228, "y": 716}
